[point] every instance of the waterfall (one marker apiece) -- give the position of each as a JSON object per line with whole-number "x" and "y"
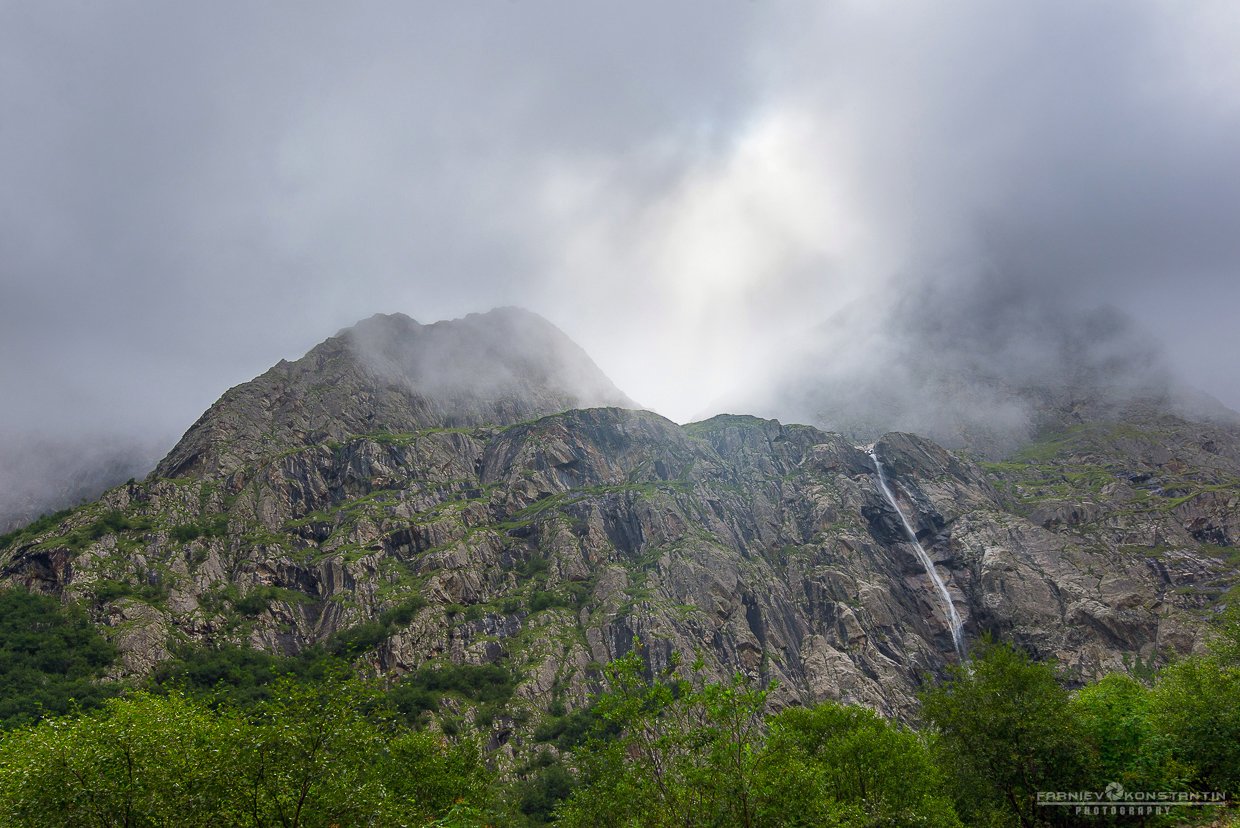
{"x": 953, "y": 619}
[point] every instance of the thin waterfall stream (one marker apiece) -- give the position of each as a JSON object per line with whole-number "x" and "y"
{"x": 949, "y": 608}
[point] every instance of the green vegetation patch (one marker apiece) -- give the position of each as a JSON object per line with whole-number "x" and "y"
{"x": 721, "y": 421}
{"x": 308, "y": 756}
{"x": 113, "y": 522}
{"x": 407, "y": 438}
{"x": 109, "y": 589}
{"x": 230, "y": 736}
{"x": 212, "y": 527}
{"x": 51, "y": 659}
{"x": 259, "y": 598}
{"x": 490, "y": 686}
{"x": 34, "y": 529}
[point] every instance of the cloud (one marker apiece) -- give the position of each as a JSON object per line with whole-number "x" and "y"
{"x": 193, "y": 192}
{"x": 709, "y": 270}
{"x": 1079, "y": 156}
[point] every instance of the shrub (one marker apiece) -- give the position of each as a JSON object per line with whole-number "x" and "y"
{"x": 359, "y": 639}
{"x": 403, "y": 613}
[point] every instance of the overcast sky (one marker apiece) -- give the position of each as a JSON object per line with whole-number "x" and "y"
{"x": 190, "y": 192}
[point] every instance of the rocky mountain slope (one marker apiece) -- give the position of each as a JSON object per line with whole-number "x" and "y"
{"x": 365, "y": 493}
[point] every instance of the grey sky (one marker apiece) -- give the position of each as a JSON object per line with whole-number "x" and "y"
{"x": 191, "y": 192}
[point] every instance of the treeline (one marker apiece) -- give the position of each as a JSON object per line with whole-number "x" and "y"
{"x": 992, "y": 736}
{"x": 237, "y": 737}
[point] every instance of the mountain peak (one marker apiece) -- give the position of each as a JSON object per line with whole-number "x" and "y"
{"x": 391, "y": 373}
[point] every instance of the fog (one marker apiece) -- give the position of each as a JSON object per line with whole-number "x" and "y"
{"x": 484, "y": 362}
{"x": 691, "y": 191}
{"x": 986, "y": 370}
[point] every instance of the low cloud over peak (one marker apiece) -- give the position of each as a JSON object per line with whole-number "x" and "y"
{"x": 193, "y": 192}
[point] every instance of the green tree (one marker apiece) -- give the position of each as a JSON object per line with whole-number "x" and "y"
{"x": 1195, "y": 707}
{"x": 691, "y": 753}
{"x": 227, "y": 673}
{"x": 1004, "y": 733}
{"x": 537, "y": 789}
{"x": 311, "y": 756}
{"x": 331, "y": 753}
{"x": 1113, "y": 716}
{"x": 685, "y": 755}
{"x": 145, "y": 760}
{"x": 438, "y": 781}
{"x": 850, "y": 763}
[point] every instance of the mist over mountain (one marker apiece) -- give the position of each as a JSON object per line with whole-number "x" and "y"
{"x": 985, "y": 366}
{"x": 49, "y": 473}
{"x": 385, "y": 372}
{"x": 508, "y": 356}
{"x": 392, "y": 374}
{"x": 191, "y": 196}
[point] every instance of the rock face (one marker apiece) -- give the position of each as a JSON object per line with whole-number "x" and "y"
{"x": 349, "y": 487}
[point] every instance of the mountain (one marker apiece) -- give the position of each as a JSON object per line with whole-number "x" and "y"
{"x": 389, "y": 373}
{"x": 445, "y": 493}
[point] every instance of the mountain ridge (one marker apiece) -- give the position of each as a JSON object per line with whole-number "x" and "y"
{"x": 550, "y": 541}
